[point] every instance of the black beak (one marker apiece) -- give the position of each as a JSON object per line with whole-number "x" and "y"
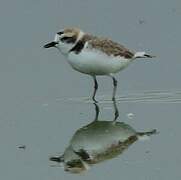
{"x": 52, "y": 44}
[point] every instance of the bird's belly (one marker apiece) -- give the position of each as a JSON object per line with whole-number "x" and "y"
{"x": 96, "y": 63}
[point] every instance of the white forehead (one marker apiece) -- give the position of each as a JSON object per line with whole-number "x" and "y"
{"x": 56, "y": 39}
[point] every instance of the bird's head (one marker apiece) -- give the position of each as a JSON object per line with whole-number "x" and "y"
{"x": 66, "y": 39}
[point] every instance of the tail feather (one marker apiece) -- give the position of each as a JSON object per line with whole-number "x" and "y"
{"x": 143, "y": 55}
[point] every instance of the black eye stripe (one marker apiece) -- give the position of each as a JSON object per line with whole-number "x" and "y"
{"x": 65, "y": 38}
{"x": 60, "y": 33}
{"x": 68, "y": 39}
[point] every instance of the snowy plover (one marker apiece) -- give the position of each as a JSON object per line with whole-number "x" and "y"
{"x": 93, "y": 55}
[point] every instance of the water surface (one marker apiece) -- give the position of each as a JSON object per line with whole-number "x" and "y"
{"x": 43, "y": 102}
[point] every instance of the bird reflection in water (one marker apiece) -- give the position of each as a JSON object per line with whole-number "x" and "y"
{"x": 98, "y": 141}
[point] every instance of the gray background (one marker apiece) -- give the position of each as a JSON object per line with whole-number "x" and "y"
{"x": 33, "y": 82}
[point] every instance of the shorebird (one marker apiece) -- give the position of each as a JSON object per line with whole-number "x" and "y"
{"x": 94, "y": 55}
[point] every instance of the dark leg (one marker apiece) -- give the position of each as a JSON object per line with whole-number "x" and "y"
{"x": 95, "y": 88}
{"x": 97, "y": 111}
{"x": 116, "y": 112}
{"x": 115, "y": 87}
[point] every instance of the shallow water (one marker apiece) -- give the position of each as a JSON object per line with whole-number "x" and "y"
{"x": 43, "y": 102}
{"x": 154, "y": 96}
{"x": 48, "y": 129}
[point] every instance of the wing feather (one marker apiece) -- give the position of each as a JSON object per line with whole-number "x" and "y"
{"x": 110, "y": 47}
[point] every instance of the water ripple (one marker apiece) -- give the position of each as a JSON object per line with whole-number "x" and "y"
{"x": 152, "y": 96}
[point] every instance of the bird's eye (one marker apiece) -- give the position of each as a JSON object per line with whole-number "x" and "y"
{"x": 64, "y": 38}
{"x": 68, "y": 39}
{"x": 60, "y": 33}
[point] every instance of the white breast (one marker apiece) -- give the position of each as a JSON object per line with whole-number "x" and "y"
{"x": 95, "y": 62}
